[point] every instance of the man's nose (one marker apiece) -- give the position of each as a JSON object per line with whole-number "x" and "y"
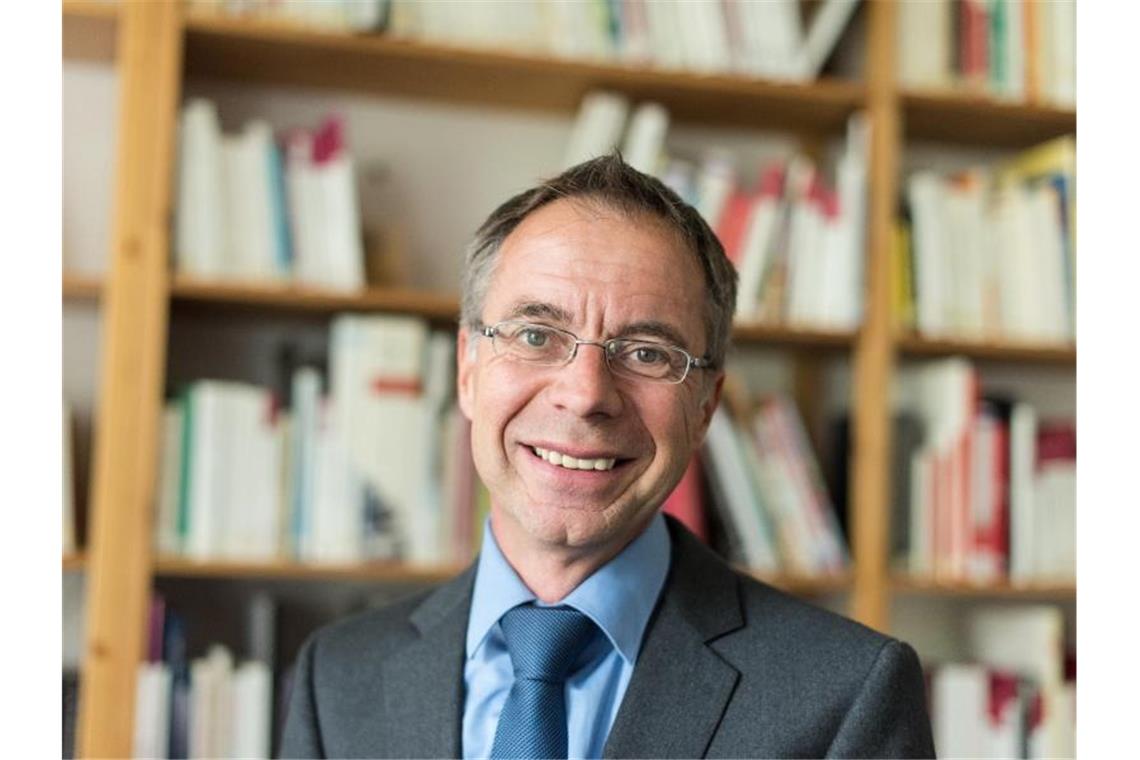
{"x": 585, "y": 386}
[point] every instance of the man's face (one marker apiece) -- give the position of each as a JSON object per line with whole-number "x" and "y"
{"x": 598, "y": 274}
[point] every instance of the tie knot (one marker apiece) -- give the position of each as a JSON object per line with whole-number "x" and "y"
{"x": 544, "y": 642}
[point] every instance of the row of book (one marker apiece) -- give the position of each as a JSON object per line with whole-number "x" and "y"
{"x": 252, "y": 208}
{"x": 376, "y": 465}
{"x": 1015, "y": 697}
{"x": 1023, "y": 50}
{"x": 984, "y": 490}
{"x": 210, "y": 706}
{"x": 769, "y": 493}
{"x": 771, "y": 39}
{"x": 796, "y": 240}
{"x": 991, "y": 251}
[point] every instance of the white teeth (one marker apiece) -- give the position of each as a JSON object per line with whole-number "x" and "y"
{"x": 571, "y": 463}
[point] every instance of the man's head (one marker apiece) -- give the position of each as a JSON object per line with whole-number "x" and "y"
{"x": 602, "y": 252}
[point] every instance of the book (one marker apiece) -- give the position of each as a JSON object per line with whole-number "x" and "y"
{"x": 598, "y": 127}
{"x": 70, "y": 543}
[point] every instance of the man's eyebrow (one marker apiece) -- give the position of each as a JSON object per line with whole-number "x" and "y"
{"x": 539, "y": 310}
{"x": 652, "y": 328}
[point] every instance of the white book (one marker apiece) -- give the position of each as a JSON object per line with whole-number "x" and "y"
{"x": 755, "y": 250}
{"x": 303, "y": 201}
{"x": 306, "y": 396}
{"x": 166, "y": 538}
{"x": 780, "y": 26}
{"x": 920, "y": 561}
{"x": 924, "y": 192}
{"x": 844, "y": 303}
{"x": 826, "y": 26}
{"x": 1015, "y": 62}
{"x": 597, "y": 128}
{"x": 252, "y": 527}
{"x": 715, "y": 182}
{"x": 344, "y": 249}
{"x": 665, "y": 35}
{"x": 200, "y": 233}
{"x": 1022, "y": 462}
{"x": 797, "y": 537}
{"x": 924, "y": 40}
{"x": 959, "y": 695}
{"x": 645, "y": 141}
{"x": 206, "y": 488}
{"x": 703, "y": 38}
{"x": 334, "y": 534}
{"x": 725, "y": 459}
{"x": 806, "y": 240}
{"x": 377, "y": 371}
{"x": 251, "y": 727}
{"x": 152, "y": 711}
{"x": 1063, "y": 79}
{"x": 69, "y": 542}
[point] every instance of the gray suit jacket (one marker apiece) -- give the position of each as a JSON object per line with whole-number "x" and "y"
{"x": 729, "y": 668}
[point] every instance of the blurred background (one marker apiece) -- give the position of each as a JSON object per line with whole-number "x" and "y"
{"x": 265, "y": 208}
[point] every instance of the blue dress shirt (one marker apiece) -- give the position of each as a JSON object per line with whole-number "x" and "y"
{"x": 618, "y": 597}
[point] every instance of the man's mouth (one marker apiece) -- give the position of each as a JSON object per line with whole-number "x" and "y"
{"x": 569, "y": 462}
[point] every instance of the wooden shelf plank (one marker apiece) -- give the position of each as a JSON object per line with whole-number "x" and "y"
{"x": 80, "y": 287}
{"x": 794, "y": 337}
{"x": 386, "y": 572}
{"x": 90, "y": 30}
{"x": 277, "y": 53}
{"x": 431, "y": 305}
{"x": 805, "y": 585}
{"x": 1060, "y": 590}
{"x": 74, "y": 563}
{"x": 976, "y": 118}
{"x": 993, "y": 350}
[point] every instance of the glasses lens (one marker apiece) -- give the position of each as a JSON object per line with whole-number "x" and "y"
{"x": 650, "y": 360}
{"x": 533, "y": 343}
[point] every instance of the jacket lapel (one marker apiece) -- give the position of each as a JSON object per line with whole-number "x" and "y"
{"x": 680, "y": 687}
{"x": 423, "y": 682}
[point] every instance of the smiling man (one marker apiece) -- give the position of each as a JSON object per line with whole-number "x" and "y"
{"x": 595, "y": 321}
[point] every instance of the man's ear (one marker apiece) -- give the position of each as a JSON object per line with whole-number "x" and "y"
{"x": 465, "y": 372}
{"x": 708, "y": 407}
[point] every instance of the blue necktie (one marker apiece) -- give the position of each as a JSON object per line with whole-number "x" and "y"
{"x": 544, "y": 643}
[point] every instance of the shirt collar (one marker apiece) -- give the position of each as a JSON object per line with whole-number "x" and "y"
{"x": 619, "y": 597}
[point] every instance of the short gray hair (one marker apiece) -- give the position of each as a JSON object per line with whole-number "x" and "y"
{"x": 612, "y": 182}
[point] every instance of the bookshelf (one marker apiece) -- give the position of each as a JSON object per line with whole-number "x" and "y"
{"x": 155, "y": 46}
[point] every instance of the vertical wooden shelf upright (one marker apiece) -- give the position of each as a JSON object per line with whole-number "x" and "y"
{"x": 134, "y": 352}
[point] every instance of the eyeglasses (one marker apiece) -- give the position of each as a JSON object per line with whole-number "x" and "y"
{"x": 553, "y": 347}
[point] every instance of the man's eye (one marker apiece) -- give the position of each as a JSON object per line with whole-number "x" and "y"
{"x": 534, "y": 338}
{"x": 648, "y": 355}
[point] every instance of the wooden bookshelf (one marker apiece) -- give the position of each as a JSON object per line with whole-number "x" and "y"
{"x": 90, "y": 30}
{"x": 78, "y": 287}
{"x": 284, "y": 54}
{"x": 74, "y": 563}
{"x": 1051, "y": 591}
{"x": 157, "y": 46}
{"x": 980, "y": 119}
{"x": 989, "y": 350}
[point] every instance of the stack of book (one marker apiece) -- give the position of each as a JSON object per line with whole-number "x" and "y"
{"x": 991, "y": 252}
{"x": 796, "y": 242}
{"x": 209, "y": 706}
{"x": 1018, "y": 49}
{"x": 768, "y": 491}
{"x": 984, "y": 491}
{"x": 377, "y": 467}
{"x": 250, "y": 208}
{"x": 1016, "y": 698}
{"x": 770, "y": 39}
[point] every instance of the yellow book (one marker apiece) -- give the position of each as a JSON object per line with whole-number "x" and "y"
{"x": 902, "y": 288}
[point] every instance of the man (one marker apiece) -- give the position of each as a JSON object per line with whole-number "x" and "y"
{"x": 595, "y": 319}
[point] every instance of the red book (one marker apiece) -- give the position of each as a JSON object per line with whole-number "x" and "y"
{"x": 733, "y": 223}
{"x": 686, "y": 504}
